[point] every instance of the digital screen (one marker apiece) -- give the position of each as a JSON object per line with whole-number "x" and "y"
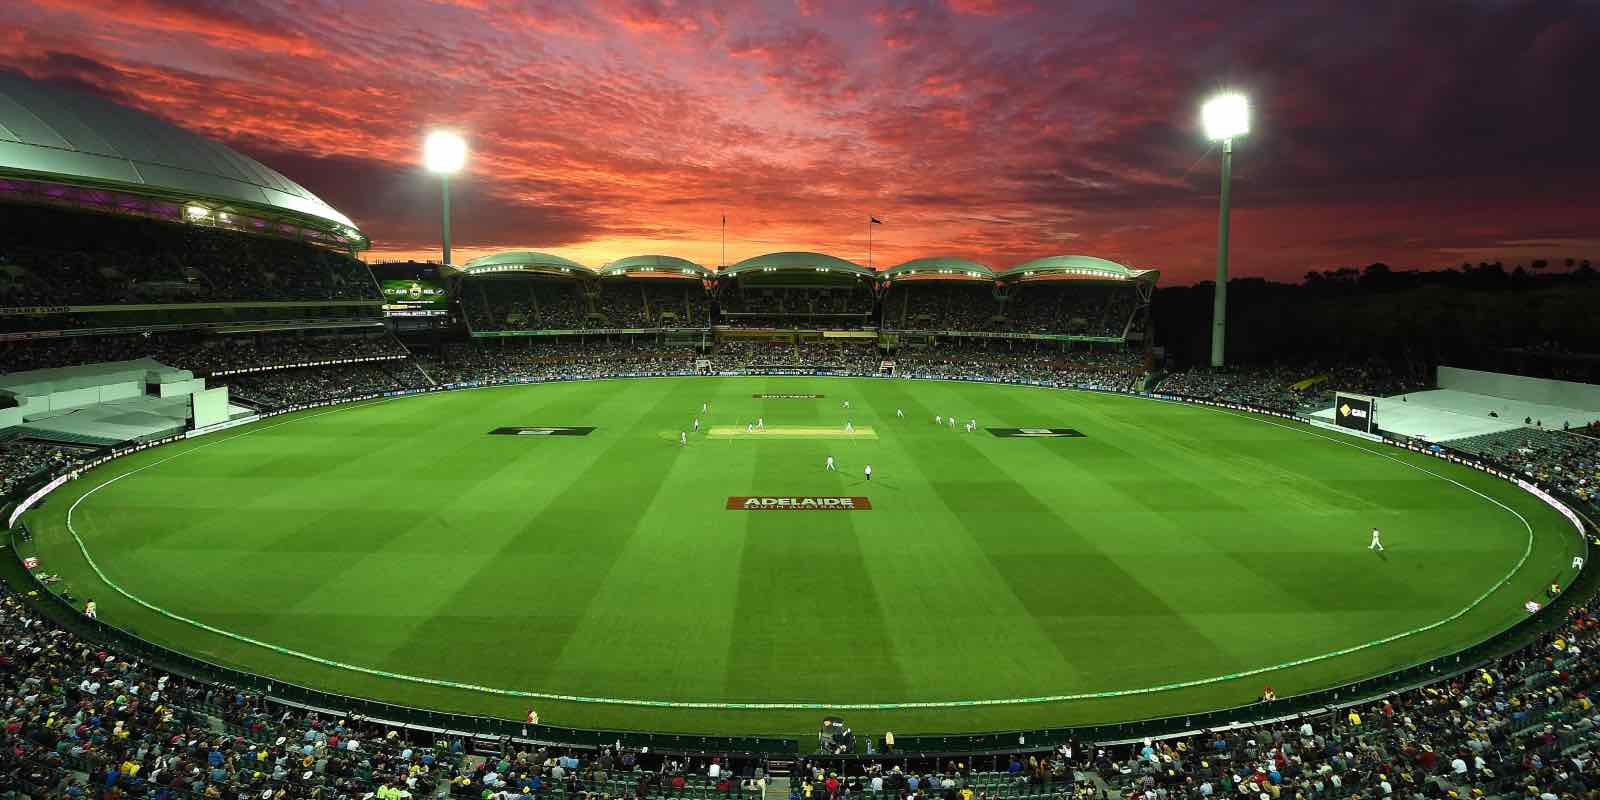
{"x": 414, "y": 295}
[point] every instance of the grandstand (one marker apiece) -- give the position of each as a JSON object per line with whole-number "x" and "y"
{"x": 519, "y": 293}
{"x": 654, "y": 292}
{"x": 795, "y": 291}
{"x": 1078, "y": 296}
{"x": 940, "y": 294}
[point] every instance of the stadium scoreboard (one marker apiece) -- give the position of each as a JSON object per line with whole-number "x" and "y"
{"x": 1356, "y": 412}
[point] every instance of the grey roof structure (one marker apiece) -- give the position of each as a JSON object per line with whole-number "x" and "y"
{"x": 49, "y": 133}
{"x": 659, "y": 265}
{"x": 1077, "y": 266}
{"x": 792, "y": 261}
{"x": 524, "y": 261}
{"x": 940, "y": 266}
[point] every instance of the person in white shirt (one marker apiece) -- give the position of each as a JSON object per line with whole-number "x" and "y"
{"x": 761, "y": 424}
{"x": 1459, "y": 765}
{"x": 1376, "y": 544}
{"x": 696, "y": 424}
{"x": 1577, "y": 562}
{"x": 952, "y": 420}
{"x": 848, "y": 427}
{"x": 830, "y": 467}
{"x": 704, "y": 407}
{"x": 847, "y": 405}
{"x": 683, "y": 438}
{"x": 869, "y": 472}
{"x": 749, "y": 427}
{"x": 973, "y": 424}
{"x": 900, "y": 412}
{"x": 938, "y": 420}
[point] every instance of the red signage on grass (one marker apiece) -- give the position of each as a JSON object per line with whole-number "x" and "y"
{"x": 799, "y": 504}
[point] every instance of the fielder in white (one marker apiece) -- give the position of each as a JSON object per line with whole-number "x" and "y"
{"x": 749, "y": 427}
{"x": 938, "y": 420}
{"x": 868, "y": 472}
{"x": 847, "y": 405}
{"x": 761, "y": 424}
{"x": 1377, "y": 544}
{"x": 900, "y": 412}
{"x": 703, "y": 407}
{"x": 849, "y": 428}
{"x": 1577, "y": 562}
{"x": 683, "y": 438}
{"x": 696, "y": 424}
{"x": 830, "y": 467}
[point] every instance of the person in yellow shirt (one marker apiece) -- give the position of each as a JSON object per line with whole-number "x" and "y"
{"x": 1355, "y": 719}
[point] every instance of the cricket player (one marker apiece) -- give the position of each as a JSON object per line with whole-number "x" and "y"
{"x": 849, "y": 428}
{"x": 696, "y": 424}
{"x": 952, "y": 420}
{"x": 847, "y": 405}
{"x": 761, "y": 423}
{"x": 831, "y": 467}
{"x": 900, "y": 413}
{"x": 869, "y": 472}
{"x": 1577, "y": 562}
{"x": 683, "y": 438}
{"x": 1376, "y": 543}
{"x": 938, "y": 420}
{"x": 703, "y": 408}
{"x": 973, "y": 424}
{"x": 749, "y": 427}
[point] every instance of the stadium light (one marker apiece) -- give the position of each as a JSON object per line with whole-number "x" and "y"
{"x": 1224, "y": 117}
{"x": 444, "y": 153}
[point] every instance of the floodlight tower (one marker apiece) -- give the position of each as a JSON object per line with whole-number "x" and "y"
{"x": 1224, "y": 116}
{"x": 444, "y": 153}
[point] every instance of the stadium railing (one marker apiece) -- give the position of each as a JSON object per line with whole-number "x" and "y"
{"x": 1311, "y": 704}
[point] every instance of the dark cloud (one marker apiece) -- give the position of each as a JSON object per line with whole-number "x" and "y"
{"x": 997, "y": 129}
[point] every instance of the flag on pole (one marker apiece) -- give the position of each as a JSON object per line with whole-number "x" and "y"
{"x": 875, "y": 220}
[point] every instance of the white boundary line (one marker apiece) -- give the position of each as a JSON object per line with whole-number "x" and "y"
{"x": 1527, "y": 551}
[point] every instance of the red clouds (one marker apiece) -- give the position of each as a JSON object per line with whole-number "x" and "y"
{"x": 995, "y": 129}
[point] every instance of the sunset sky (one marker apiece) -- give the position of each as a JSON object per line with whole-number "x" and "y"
{"x": 1420, "y": 134}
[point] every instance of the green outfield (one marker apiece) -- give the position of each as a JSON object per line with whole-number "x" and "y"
{"x": 1166, "y": 543}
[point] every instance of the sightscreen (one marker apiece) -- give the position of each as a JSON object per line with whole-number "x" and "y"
{"x": 1355, "y": 412}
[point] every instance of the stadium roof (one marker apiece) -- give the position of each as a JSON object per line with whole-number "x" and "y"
{"x": 795, "y": 262}
{"x": 660, "y": 265}
{"x": 1077, "y": 266}
{"x": 940, "y": 267}
{"x": 59, "y": 135}
{"x": 524, "y": 261}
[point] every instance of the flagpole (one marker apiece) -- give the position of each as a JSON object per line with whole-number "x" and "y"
{"x": 724, "y": 261}
{"x": 869, "y": 241}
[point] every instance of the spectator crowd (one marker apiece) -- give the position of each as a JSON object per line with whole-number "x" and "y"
{"x": 51, "y": 256}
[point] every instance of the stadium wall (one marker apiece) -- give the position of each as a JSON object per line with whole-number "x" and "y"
{"x": 1515, "y": 387}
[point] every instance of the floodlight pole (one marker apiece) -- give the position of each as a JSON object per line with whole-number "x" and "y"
{"x": 1219, "y": 307}
{"x": 444, "y": 182}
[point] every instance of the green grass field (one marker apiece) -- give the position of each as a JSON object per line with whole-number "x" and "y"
{"x": 1169, "y": 543}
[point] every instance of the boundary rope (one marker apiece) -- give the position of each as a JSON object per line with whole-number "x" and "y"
{"x": 776, "y": 706}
